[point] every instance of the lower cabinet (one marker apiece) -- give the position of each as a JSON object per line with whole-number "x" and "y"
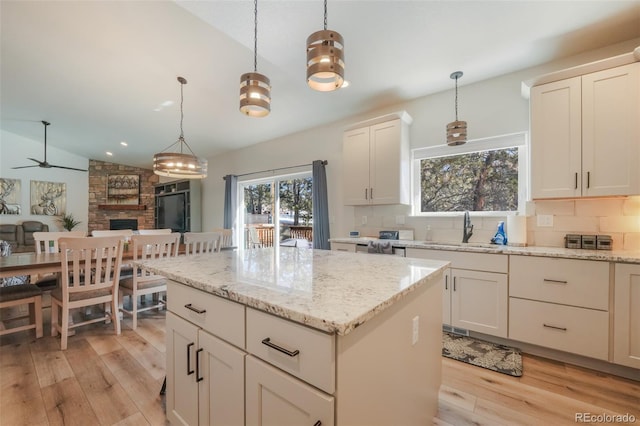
{"x": 205, "y": 375}
{"x": 626, "y": 320}
{"x": 475, "y": 290}
{"x": 277, "y": 398}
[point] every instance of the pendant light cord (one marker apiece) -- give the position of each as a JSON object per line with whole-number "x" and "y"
{"x": 325, "y": 15}
{"x": 456, "y": 98}
{"x": 255, "y": 35}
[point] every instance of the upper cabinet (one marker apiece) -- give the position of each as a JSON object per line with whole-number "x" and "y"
{"x": 585, "y": 135}
{"x": 376, "y": 161}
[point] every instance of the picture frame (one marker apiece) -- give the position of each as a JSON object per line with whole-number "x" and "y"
{"x": 10, "y": 196}
{"x": 123, "y": 189}
{"x": 48, "y": 198}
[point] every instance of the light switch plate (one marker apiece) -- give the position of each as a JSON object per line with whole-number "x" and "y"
{"x": 544, "y": 220}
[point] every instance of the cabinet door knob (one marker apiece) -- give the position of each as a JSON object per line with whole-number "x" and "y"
{"x": 267, "y": 341}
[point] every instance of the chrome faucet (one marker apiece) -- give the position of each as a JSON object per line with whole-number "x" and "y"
{"x": 467, "y": 230}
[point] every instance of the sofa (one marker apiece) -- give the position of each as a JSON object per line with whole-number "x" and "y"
{"x": 20, "y": 235}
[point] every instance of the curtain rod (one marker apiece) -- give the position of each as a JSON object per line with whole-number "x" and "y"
{"x": 324, "y": 162}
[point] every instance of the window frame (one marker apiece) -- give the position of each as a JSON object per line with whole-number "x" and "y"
{"x": 519, "y": 140}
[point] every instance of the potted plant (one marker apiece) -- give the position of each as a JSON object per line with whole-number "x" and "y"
{"x": 68, "y": 222}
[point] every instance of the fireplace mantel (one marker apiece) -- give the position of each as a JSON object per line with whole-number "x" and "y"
{"x": 122, "y": 206}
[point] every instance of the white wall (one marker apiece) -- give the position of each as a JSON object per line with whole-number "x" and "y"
{"x": 15, "y": 149}
{"x": 491, "y": 107}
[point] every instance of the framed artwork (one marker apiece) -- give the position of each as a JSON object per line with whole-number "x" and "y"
{"x": 10, "y": 196}
{"x": 123, "y": 189}
{"x": 48, "y": 198}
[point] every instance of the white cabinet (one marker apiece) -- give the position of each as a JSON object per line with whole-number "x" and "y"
{"x": 205, "y": 374}
{"x": 275, "y": 398}
{"x": 376, "y": 163}
{"x": 626, "y": 322}
{"x": 585, "y": 135}
{"x": 561, "y": 304}
{"x": 475, "y": 290}
{"x": 205, "y": 377}
{"x": 344, "y": 247}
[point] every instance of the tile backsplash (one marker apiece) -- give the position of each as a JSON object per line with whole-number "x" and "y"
{"x": 617, "y": 217}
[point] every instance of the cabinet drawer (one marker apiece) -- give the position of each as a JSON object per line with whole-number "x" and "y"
{"x": 314, "y": 361}
{"x": 222, "y": 318}
{"x": 465, "y": 260}
{"x": 581, "y": 283}
{"x": 566, "y": 328}
{"x": 343, "y": 247}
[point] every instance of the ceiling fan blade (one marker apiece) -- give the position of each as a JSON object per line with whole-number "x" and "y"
{"x": 24, "y": 167}
{"x": 68, "y": 168}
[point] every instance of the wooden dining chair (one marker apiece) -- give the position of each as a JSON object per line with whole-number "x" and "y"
{"x": 226, "y": 239}
{"x": 112, "y": 232}
{"x": 142, "y": 282}
{"x": 155, "y": 231}
{"x": 47, "y": 242}
{"x": 202, "y": 242}
{"x": 22, "y": 294}
{"x": 90, "y": 276}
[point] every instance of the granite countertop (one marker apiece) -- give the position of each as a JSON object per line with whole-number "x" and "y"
{"x": 622, "y": 256}
{"x": 327, "y": 290}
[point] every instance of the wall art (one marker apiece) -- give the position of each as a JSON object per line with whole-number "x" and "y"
{"x": 123, "y": 189}
{"x": 10, "y": 196}
{"x": 48, "y": 198}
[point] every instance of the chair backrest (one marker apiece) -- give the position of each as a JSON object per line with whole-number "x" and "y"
{"x": 90, "y": 264}
{"x": 112, "y": 232}
{"x": 155, "y": 246}
{"x": 47, "y": 242}
{"x": 226, "y": 239}
{"x": 202, "y": 242}
{"x": 155, "y": 231}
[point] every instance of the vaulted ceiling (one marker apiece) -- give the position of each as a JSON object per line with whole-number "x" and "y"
{"x": 103, "y": 72}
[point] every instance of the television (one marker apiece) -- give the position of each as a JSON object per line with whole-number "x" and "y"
{"x": 172, "y": 212}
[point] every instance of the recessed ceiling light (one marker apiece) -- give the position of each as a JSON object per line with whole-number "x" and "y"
{"x": 110, "y": 154}
{"x": 123, "y": 143}
{"x": 166, "y": 103}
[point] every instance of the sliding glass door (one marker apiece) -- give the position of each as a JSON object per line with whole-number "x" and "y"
{"x": 276, "y": 210}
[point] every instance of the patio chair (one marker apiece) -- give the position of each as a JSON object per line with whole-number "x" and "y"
{"x": 90, "y": 276}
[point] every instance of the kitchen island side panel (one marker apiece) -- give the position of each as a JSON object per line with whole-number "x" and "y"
{"x": 382, "y": 377}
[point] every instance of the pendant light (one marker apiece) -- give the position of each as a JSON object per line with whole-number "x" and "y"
{"x": 180, "y": 164}
{"x": 456, "y": 130}
{"x": 255, "y": 89}
{"x": 325, "y": 59}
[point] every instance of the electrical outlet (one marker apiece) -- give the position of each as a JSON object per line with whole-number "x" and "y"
{"x": 544, "y": 220}
{"x": 364, "y": 220}
{"x": 415, "y": 329}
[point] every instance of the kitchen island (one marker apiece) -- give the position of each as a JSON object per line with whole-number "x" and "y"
{"x": 296, "y": 336}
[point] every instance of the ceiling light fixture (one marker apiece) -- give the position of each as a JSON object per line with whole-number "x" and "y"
{"x": 255, "y": 88}
{"x": 456, "y": 130}
{"x": 179, "y": 164}
{"x": 325, "y": 59}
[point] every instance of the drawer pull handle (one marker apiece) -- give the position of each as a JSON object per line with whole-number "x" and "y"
{"x": 547, "y": 280}
{"x": 454, "y": 283}
{"x": 554, "y": 327}
{"x": 190, "y": 307}
{"x": 318, "y": 423}
{"x": 267, "y": 342}
{"x": 446, "y": 282}
{"x": 189, "y": 370}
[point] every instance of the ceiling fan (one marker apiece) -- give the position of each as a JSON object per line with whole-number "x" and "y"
{"x": 44, "y": 164}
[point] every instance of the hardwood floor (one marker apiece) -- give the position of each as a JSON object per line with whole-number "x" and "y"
{"x": 114, "y": 380}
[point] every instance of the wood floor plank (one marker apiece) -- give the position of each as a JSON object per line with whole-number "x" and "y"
{"x": 457, "y": 398}
{"x": 21, "y": 401}
{"x": 108, "y": 399}
{"x": 139, "y": 384}
{"x": 136, "y": 419}
{"x": 145, "y": 353}
{"x": 451, "y": 414}
{"x": 66, "y": 404}
{"x": 148, "y": 330}
{"x": 50, "y": 363}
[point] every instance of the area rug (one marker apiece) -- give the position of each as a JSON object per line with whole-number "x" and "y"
{"x": 500, "y": 358}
